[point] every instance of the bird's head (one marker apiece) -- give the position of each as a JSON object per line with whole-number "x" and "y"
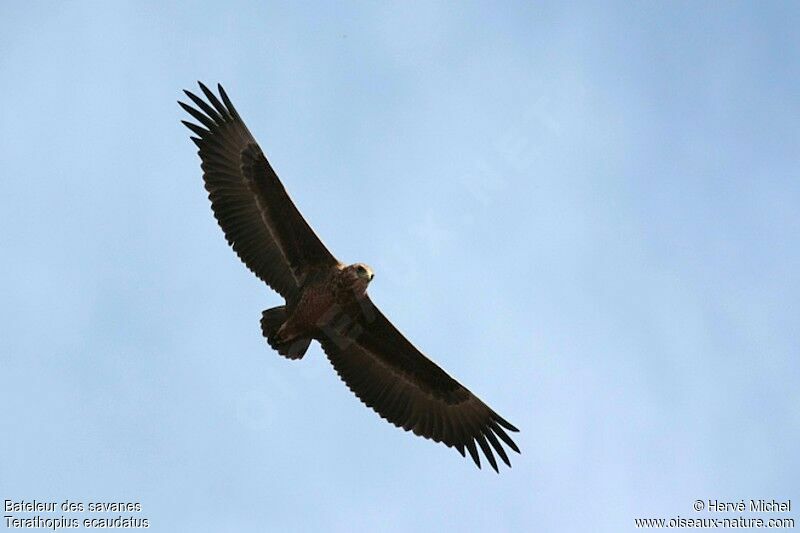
{"x": 357, "y": 276}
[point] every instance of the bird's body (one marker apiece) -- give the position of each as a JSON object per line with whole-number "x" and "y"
{"x": 327, "y": 301}
{"x": 324, "y": 294}
{"x": 313, "y": 309}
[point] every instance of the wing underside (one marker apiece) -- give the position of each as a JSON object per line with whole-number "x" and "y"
{"x": 388, "y": 374}
{"x": 259, "y": 219}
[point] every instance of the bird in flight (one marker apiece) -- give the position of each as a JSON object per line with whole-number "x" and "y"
{"x": 326, "y": 300}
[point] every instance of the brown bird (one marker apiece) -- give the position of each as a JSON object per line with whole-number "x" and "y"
{"x": 327, "y": 301}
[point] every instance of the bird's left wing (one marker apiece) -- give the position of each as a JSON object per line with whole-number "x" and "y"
{"x": 406, "y": 388}
{"x": 259, "y": 219}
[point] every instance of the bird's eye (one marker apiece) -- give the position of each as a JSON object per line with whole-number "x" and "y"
{"x": 361, "y": 269}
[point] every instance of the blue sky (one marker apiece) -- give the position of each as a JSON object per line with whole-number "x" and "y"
{"x": 587, "y": 213}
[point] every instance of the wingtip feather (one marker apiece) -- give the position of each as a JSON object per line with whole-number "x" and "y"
{"x": 460, "y": 448}
{"x": 505, "y": 423}
{"x": 200, "y": 132}
{"x": 504, "y": 436}
{"x": 487, "y": 451}
{"x": 473, "y": 452}
{"x": 497, "y": 446}
{"x": 227, "y": 101}
{"x": 212, "y": 98}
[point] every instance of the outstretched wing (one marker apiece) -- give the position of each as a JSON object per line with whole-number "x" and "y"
{"x": 259, "y": 219}
{"x": 406, "y": 388}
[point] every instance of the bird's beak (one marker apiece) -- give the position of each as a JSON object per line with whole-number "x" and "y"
{"x": 372, "y": 275}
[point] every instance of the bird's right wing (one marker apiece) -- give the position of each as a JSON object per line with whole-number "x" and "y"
{"x": 406, "y": 388}
{"x": 258, "y": 218}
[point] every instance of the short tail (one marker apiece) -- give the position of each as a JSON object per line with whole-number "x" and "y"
{"x": 271, "y": 321}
